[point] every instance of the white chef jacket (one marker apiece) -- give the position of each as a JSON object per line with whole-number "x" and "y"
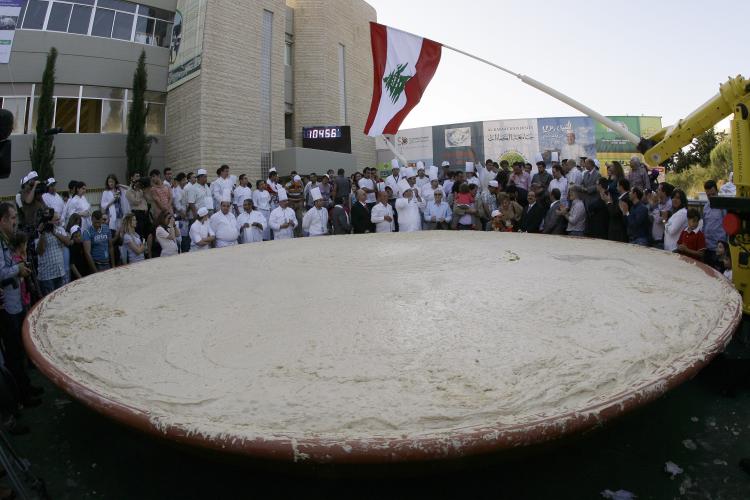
{"x": 221, "y": 187}
{"x": 200, "y": 196}
{"x": 240, "y": 195}
{"x": 251, "y": 234}
{"x": 54, "y": 201}
{"x": 281, "y": 216}
{"x": 79, "y": 205}
{"x": 428, "y": 194}
{"x": 369, "y": 184}
{"x": 409, "y": 219}
{"x": 421, "y": 181}
{"x": 392, "y": 182}
{"x": 225, "y": 227}
{"x": 200, "y": 231}
{"x": 377, "y": 217}
{"x": 261, "y": 199}
{"x": 315, "y": 221}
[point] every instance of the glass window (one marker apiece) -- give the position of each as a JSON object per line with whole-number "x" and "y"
{"x": 103, "y": 92}
{"x": 288, "y": 54}
{"x": 119, "y": 5}
{"x": 154, "y": 119}
{"x": 111, "y": 117}
{"x": 163, "y": 33}
{"x": 17, "y": 106}
{"x": 91, "y": 116}
{"x": 59, "y": 16}
{"x": 144, "y": 30}
{"x": 103, "y": 20}
{"x": 35, "y": 14}
{"x": 66, "y": 112}
{"x": 79, "y": 21}
{"x": 157, "y": 97}
{"x": 157, "y": 13}
{"x": 123, "y": 29}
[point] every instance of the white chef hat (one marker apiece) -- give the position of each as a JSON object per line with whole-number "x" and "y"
{"x": 282, "y": 194}
{"x": 410, "y": 172}
{"x": 201, "y": 171}
{"x": 469, "y": 166}
{"x": 433, "y": 169}
{"x": 433, "y": 176}
{"x": 202, "y": 212}
{"x": 315, "y": 193}
{"x": 74, "y": 230}
{"x": 495, "y": 213}
{"x": 494, "y": 184}
{"x": 420, "y": 165}
{"x": 446, "y": 163}
{"x": 394, "y": 164}
{"x": 297, "y": 178}
{"x": 404, "y": 186}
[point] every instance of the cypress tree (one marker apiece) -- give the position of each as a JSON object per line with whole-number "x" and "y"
{"x": 138, "y": 143}
{"x": 42, "y": 148}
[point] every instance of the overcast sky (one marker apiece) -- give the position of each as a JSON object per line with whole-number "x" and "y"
{"x": 636, "y": 57}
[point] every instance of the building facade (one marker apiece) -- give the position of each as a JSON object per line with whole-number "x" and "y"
{"x": 265, "y": 69}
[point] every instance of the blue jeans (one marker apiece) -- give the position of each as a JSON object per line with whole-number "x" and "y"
{"x": 49, "y": 286}
{"x": 640, "y": 241}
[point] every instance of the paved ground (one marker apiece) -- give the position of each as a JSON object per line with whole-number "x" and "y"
{"x": 82, "y": 455}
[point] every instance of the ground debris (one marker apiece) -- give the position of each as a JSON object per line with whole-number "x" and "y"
{"x": 618, "y": 495}
{"x": 689, "y": 444}
{"x": 673, "y": 469}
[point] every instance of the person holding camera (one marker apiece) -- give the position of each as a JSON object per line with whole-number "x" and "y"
{"x": 50, "y": 247}
{"x": 12, "y": 313}
{"x": 32, "y": 190}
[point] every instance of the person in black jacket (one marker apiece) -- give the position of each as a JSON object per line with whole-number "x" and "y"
{"x": 533, "y": 214}
{"x": 361, "y": 214}
{"x": 597, "y": 216}
{"x": 554, "y": 222}
{"x": 617, "y": 229}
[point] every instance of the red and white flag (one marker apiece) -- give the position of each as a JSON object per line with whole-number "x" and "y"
{"x": 403, "y": 66}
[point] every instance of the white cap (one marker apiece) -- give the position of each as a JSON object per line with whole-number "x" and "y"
{"x": 202, "y": 212}
{"x": 270, "y": 170}
{"x": 51, "y": 180}
{"x": 74, "y": 229}
{"x": 495, "y": 213}
{"x": 315, "y": 193}
{"x": 404, "y": 186}
{"x": 446, "y": 163}
{"x": 394, "y": 164}
{"x": 420, "y": 165}
{"x": 494, "y": 184}
{"x": 433, "y": 176}
{"x": 469, "y": 166}
{"x": 282, "y": 194}
{"x": 201, "y": 171}
{"x": 297, "y": 178}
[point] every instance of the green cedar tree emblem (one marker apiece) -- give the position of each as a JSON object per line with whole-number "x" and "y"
{"x": 395, "y": 82}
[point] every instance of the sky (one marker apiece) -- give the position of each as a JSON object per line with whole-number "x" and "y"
{"x": 659, "y": 57}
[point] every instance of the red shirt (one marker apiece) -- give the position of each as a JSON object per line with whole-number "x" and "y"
{"x": 694, "y": 240}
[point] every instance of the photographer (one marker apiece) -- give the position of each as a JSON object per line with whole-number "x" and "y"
{"x": 12, "y": 313}
{"x": 50, "y": 249}
{"x": 32, "y": 190}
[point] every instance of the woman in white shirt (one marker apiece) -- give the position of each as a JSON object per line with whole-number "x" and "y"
{"x": 201, "y": 234}
{"x": 677, "y": 222}
{"x": 81, "y": 206}
{"x": 114, "y": 202}
{"x": 262, "y": 203}
{"x": 133, "y": 244}
{"x": 167, "y": 234}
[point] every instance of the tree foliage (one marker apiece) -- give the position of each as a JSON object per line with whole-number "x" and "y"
{"x": 698, "y": 152}
{"x": 138, "y": 143}
{"x": 42, "y": 152}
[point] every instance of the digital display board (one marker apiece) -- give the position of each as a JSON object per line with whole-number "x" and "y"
{"x": 335, "y": 138}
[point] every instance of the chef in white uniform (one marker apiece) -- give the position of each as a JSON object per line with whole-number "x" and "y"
{"x": 382, "y": 215}
{"x": 201, "y": 234}
{"x": 392, "y": 180}
{"x": 315, "y": 220}
{"x": 428, "y": 190}
{"x": 251, "y": 223}
{"x": 471, "y": 177}
{"x": 282, "y": 219}
{"x": 422, "y": 178}
{"x": 408, "y": 207}
{"x": 223, "y": 185}
{"x": 224, "y": 223}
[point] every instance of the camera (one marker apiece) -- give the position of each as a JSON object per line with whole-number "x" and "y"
{"x": 46, "y": 220}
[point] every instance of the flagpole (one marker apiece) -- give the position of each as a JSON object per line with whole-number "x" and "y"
{"x": 614, "y": 126}
{"x": 395, "y": 153}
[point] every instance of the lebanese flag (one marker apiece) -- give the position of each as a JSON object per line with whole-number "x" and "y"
{"x": 403, "y": 67}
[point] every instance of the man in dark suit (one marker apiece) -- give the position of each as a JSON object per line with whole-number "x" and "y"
{"x": 361, "y": 214}
{"x": 340, "y": 221}
{"x": 533, "y": 215}
{"x": 554, "y": 222}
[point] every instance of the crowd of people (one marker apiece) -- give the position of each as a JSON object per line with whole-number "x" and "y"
{"x": 49, "y": 239}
